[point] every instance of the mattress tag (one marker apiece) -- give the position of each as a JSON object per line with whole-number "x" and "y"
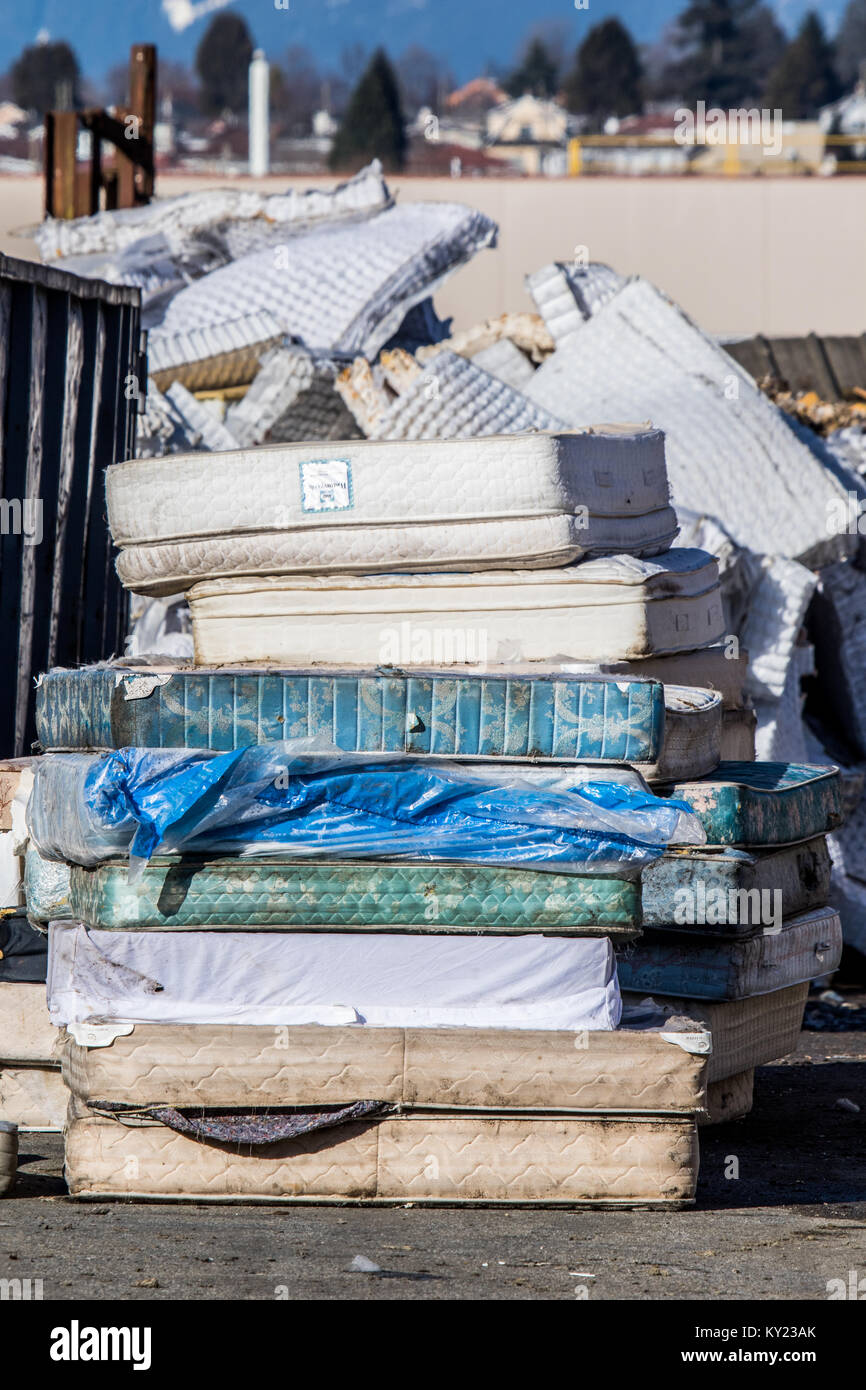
{"x": 326, "y": 485}
{"x": 699, "y": 1044}
{"x": 139, "y": 687}
{"x": 98, "y": 1034}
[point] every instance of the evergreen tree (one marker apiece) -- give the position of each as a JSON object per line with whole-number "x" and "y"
{"x": 804, "y": 78}
{"x": 851, "y": 43}
{"x": 372, "y": 127}
{"x": 724, "y": 51}
{"x": 222, "y": 62}
{"x": 537, "y": 73}
{"x": 46, "y": 76}
{"x": 607, "y": 76}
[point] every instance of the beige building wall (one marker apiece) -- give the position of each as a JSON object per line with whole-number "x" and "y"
{"x": 781, "y": 256}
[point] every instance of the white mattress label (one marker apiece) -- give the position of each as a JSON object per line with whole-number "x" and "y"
{"x": 326, "y": 485}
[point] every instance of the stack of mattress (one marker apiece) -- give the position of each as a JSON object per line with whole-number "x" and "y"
{"x": 373, "y": 1028}
{"x": 389, "y": 972}
{"x": 359, "y": 1023}
{"x": 741, "y": 924}
{"x": 32, "y": 1095}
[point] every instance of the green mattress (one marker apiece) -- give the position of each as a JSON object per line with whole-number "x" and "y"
{"x": 353, "y": 895}
{"x": 752, "y": 805}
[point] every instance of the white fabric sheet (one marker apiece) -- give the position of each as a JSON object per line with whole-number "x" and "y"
{"x": 384, "y": 981}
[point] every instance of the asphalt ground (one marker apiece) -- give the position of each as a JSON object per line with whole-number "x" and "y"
{"x": 782, "y": 1221}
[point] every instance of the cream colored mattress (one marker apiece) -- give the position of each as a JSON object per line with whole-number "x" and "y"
{"x": 746, "y": 1033}
{"x": 26, "y": 1032}
{"x": 33, "y": 1097}
{"x": 729, "y": 1100}
{"x": 416, "y": 1157}
{"x": 480, "y": 1068}
{"x": 614, "y": 608}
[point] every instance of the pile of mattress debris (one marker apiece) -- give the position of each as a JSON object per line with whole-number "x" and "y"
{"x": 381, "y": 897}
{"x": 417, "y": 849}
{"x": 309, "y": 316}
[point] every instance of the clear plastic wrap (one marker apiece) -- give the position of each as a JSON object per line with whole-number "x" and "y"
{"x": 289, "y": 800}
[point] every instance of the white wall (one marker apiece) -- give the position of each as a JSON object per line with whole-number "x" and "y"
{"x": 772, "y": 255}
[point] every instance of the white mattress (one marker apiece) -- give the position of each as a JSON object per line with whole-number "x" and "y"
{"x": 331, "y": 977}
{"x": 454, "y": 398}
{"x": 493, "y": 503}
{"x": 730, "y": 451}
{"x": 614, "y": 608}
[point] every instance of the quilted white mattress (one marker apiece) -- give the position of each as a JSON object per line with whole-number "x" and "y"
{"x": 328, "y": 977}
{"x": 613, "y": 608}
{"x": 492, "y": 503}
{"x": 730, "y": 451}
{"x": 438, "y": 1157}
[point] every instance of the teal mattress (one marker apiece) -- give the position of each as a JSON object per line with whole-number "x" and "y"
{"x": 700, "y": 890}
{"x": 572, "y": 718}
{"x": 352, "y": 895}
{"x": 754, "y": 805}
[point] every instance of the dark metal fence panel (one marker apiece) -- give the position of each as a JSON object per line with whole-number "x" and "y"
{"x": 69, "y": 361}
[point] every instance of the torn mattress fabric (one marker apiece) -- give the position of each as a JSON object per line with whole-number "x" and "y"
{"x": 454, "y": 398}
{"x": 492, "y": 503}
{"x": 346, "y": 288}
{"x": 377, "y": 980}
{"x": 292, "y": 397}
{"x": 166, "y": 225}
{"x": 275, "y": 799}
{"x": 567, "y": 295}
{"x": 730, "y": 451}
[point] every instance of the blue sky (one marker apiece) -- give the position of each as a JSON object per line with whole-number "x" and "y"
{"x": 468, "y": 33}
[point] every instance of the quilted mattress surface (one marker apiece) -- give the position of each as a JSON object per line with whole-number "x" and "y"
{"x": 485, "y": 716}
{"x": 686, "y": 889}
{"x": 435, "y": 1157}
{"x": 746, "y": 1033}
{"x": 490, "y": 503}
{"x": 709, "y": 968}
{"x": 397, "y": 896}
{"x": 728, "y": 1100}
{"x": 373, "y": 979}
{"x": 33, "y": 1097}
{"x": 613, "y": 608}
{"x": 476, "y": 1068}
{"x": 760, "y": 804}
{"x": 26, "y": 1032}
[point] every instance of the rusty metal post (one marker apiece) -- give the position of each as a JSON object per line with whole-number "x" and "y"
{"x": 142, "y": 103}
{"x": 62, "y": 168}
{"x": 125, "y": 166}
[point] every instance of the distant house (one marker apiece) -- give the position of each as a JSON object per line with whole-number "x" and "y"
{"x": 531, "y": 132}
{"x": 470, "y": 104}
